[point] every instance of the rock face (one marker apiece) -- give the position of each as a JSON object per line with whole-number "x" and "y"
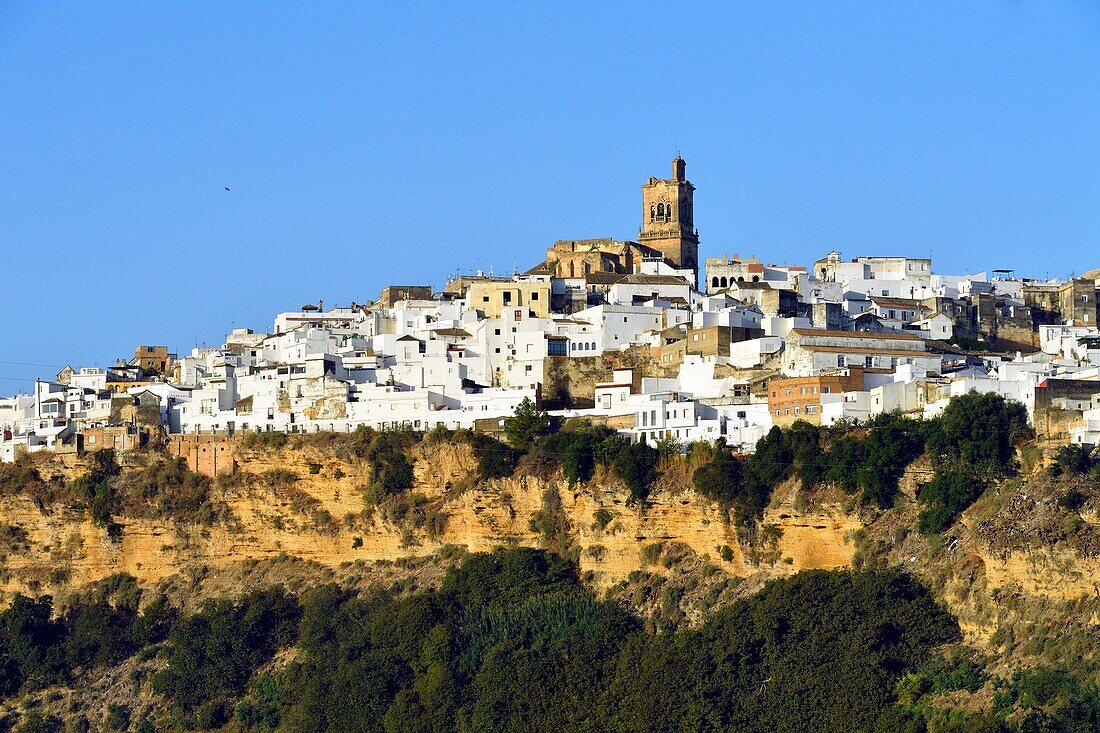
{"x": 1015, "y": 562}
{"x": 306, "y": 503}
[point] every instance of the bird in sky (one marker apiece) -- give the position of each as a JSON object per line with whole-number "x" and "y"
{"x": 226, "y": 187}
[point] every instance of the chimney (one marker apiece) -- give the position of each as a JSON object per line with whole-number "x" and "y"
{"x": 320, "y": 306}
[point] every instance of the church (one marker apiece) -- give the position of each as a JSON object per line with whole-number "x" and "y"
{"x": 667, "y": 236}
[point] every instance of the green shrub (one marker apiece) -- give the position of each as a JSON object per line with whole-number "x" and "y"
{"x": 526, "y": 425}
{"x": 945, "y": 497}
{"x": 1072, "y": 460}
{"x": 980, "y": 431}
{"x": 213, "y": 653}
{"x": 494, "y": 458}
{"x": 270, "y": 441}
{"x": 636, "y": 465}
{"x": 1072, "y": 500}
{"x": 118, "y": 717}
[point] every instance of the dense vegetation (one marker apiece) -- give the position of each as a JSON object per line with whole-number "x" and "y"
{"x": 40, "y": 648}
{"x": 578, "y": 448}
{"x": 512, "y": 641}
{"x": 162, "y": 487}
{"x": 973, "y": 441}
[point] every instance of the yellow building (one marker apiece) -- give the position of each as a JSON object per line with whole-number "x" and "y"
{"x": 492, "y": 297}
{"x": 152, "y": 359}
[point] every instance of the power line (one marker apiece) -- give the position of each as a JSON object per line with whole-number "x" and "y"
{"x": 34, "y": 364}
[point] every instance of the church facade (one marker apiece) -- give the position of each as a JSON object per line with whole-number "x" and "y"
{"x": 667, "y": 234}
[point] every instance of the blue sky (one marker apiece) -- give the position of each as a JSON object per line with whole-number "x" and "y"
{"x": 367, "y": 144}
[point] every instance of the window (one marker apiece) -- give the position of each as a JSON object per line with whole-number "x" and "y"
{"x": 534, "y": 296}
{"x": 496, "y": 331}
{"x": 825, "y": 390}
{"x": 507, "y": 298}
{"x": 868, "y": 362}
{"x": 841, "y": 361}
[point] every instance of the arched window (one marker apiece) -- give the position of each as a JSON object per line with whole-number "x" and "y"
{"x": 756, "y": 278}
{"x": 714, "y": 282}
{"x": 724, "y": 283}
{"x": 660, "y": 211}
{"x": 652, "y": 212}
{"x": 740, "y": 278}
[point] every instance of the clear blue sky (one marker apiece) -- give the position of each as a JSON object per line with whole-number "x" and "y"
{"x": 368, "y": 144}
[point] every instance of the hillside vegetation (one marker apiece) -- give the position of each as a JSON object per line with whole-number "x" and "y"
{"x": 667, "y": 593}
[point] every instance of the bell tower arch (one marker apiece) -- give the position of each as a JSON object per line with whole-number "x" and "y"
{"x": 668, "y": 218}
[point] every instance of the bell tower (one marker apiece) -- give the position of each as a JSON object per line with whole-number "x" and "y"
{"x": 668, "y": 219}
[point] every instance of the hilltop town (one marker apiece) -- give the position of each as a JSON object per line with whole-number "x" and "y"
{"x": 640, "y": 335}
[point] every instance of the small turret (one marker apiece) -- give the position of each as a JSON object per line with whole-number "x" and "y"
{"x": 679, "y": 169}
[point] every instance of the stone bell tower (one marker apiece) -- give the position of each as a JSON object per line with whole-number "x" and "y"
{"x": 668, "y": 219}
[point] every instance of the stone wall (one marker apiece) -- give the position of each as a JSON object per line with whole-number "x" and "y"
{"x": 571, "y": 381}
{"x": 206, "y": 454}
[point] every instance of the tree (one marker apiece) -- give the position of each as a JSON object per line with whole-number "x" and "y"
{"x": 637, "y": 467}
{"x": 526, "y": 425}
{"x": 945, "y": 497}
{"x": 980, "y": 431}
{"x": 719, "y": 480}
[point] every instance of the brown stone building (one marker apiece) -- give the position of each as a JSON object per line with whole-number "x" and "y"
{"x": 1071, "y": 301}
{"x": 117, "y": 437}
{"x": 152, "y": 359}
{"x": 583, "y": 257}
{"x": 668, "y": 217}
{"x": 392, "y": 294}
{"x": 667, "y": 233}
{"x": 492, "y": 297}
{"x": 679, "y": 341}
{"x": 799, "y": 398}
